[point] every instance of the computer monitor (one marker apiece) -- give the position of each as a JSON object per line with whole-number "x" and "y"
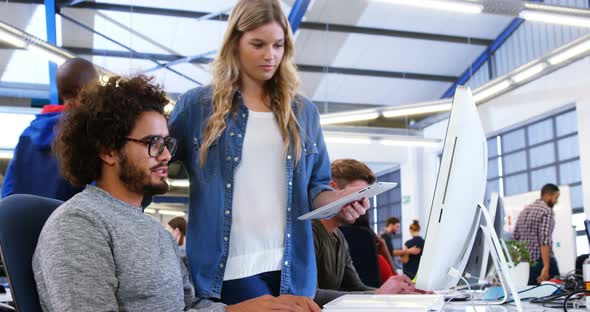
{"x": 479, "y": 264}
{"x": 460, "y": 187}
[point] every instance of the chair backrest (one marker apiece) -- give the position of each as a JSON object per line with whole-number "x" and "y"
{"x": 363, "y": 251}
{"x": 22, "y": 218}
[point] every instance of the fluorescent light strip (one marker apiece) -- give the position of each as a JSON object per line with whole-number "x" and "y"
{"x": 570, "y": 53}
{"x": 348, "y": 140}
{"x": 342, "y": 118}
{"x": 453, "y": 6}
{"x": 417, "y": 110}
{"x": 4, "y": 154}
{"x": 555, "y": 18}
{"x": 54, "y": 57}
{"x": 555, "y": 9}
{"x": 411, "y": 143}
{"x": 12, "y": 39}
{"x": 149, "y": 210}
{"x": 402, "y": 141}
{"x": 529, "y": 72}
{"x": 487, "y": 92}
{"x": 179, "y": 182}
{"x": 172, "y": 213}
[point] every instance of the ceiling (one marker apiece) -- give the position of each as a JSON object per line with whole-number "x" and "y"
{"x": 351, "y": 54}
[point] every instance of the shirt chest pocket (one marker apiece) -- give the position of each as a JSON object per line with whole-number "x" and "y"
{"x": 209, "y": 169}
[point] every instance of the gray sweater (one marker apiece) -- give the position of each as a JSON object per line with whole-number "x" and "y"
{"x": 97, "y": 253}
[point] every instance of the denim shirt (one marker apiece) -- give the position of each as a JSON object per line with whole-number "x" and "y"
{"x": 211, "y": 191}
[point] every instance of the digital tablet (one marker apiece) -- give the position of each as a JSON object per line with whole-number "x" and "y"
{"x": 332, "y": 209}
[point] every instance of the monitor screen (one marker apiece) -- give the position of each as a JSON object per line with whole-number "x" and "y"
{"x": 460, "y": 187}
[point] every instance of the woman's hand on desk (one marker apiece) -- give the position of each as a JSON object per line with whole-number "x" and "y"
{"x": 285, "y": 303}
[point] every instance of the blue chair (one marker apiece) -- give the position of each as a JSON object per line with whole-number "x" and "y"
{"x": 362, "y": 244}
{"x": 22, "y": 218}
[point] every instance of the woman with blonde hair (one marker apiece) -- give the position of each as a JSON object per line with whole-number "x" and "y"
{"x": 256, "y": 159}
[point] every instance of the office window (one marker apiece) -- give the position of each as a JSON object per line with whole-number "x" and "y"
{"x": 389, "y": 203}
{"x": 543, "y": 151}
{"x": 512, "y": 141}
{"x": 515, "y": 162}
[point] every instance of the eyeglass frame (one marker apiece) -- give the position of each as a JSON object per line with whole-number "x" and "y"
{"x": 152, "y": 139}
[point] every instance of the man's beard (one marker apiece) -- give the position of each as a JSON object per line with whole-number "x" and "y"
{"x": 137, "y": 180}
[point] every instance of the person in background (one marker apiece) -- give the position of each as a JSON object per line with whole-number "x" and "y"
{"x": 177, "y": 227}
{"x": 386, "y": 266}
{"x": 256, "y": 159}
{"x": 337, "y": 275}
{"x": 412, "y": 261}
{"x": 534, "y": 225}
{"x": 34, "y": 168}
{"x": 392, "y": 226}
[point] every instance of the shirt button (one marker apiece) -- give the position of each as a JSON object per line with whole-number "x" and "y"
{"x": 227, "y": 212}
{"x": 239, "y": 135}
{"x": 231, "y": 133}
{"x": 290, "y": 183}
{"x": 289, "y": 209}
{"x": 225, "y": 238}
{"x": 221, "y": 265}
{"x": 228, "y": 158}
{"x": 244, "y": 115}
{"x": 288, "y": 156}
{"x": 228, "y": 185}
{"x": 288, "y": 235}
{"x": 287, "y": 263}
{"x": 236, "y": 158}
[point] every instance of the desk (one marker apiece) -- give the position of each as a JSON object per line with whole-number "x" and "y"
{"x": 526, "y": 306}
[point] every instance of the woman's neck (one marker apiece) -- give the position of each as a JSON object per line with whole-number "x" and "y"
{"x": 254, "y": 96}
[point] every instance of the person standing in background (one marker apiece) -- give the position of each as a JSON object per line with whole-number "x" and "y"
{"x": 534, "y": 225}
{"x": 413, "y": 260}
{"x": 34, "y": 168}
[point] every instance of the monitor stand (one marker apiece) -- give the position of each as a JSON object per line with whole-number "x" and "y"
{"x": 499, "y": 262}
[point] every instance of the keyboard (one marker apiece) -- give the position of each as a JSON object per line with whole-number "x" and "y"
{"x": 386, "y": 303}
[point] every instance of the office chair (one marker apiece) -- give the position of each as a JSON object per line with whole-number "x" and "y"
{"x": 22, "y": 217}
{"x": 363, "y": 251}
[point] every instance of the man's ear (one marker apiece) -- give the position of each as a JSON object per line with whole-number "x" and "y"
{"x": 108, "y": 156}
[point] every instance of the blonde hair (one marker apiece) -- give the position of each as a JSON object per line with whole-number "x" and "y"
{"x": 248, "y": 15}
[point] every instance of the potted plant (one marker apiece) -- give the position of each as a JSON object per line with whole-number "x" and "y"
{"x": 522, "y": 262}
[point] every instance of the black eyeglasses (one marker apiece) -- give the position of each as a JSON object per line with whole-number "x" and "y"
{"x": 156, "y": 145}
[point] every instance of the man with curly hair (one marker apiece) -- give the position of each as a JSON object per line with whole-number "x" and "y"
{"x": 34, "y": 168}
{"x": 98, "y": 251}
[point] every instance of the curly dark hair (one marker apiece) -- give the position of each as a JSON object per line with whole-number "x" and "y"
{"x": 106, "y": 115}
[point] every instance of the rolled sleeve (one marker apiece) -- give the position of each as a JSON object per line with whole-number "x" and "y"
{"x": 546, "y": 230}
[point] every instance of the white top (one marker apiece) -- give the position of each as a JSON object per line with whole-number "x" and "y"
{"x": 259, "y": 201}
